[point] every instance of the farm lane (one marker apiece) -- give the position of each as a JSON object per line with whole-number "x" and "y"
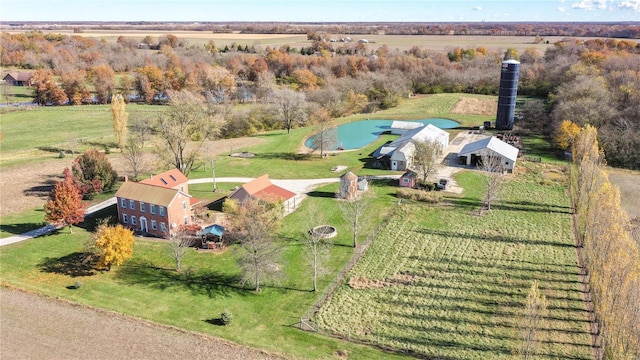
{"x": 35, "y": 327}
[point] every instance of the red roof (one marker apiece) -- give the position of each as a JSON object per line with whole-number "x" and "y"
{"x": 262, "y": 188}
{"x": 171, "y": 179}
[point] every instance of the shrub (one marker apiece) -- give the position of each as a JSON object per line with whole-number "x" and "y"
{"x": 226, "y": 317}
{"x": 431, "y": 197}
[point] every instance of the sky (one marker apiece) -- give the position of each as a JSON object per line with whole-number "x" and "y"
{"x": 321, "y": 10}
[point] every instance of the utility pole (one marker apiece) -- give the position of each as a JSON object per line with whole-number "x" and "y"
{"x": 213, "y": 173}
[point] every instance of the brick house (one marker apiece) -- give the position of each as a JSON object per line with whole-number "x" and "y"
{"x": 157, "y": 206}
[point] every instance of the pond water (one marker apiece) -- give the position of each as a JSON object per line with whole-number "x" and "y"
{"x": 362, "y": 133}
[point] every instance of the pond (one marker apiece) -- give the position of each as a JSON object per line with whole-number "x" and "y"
{"x": 362, "y": 133}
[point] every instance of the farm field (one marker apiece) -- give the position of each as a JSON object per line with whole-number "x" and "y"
{"x": 400, "y": 42}
{"x": 441, "y": 282}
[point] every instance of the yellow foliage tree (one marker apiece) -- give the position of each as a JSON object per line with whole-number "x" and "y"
{"x": 115, "y": 244}
{"x": 566, "y": 134}
{"x": 120, "y": 119}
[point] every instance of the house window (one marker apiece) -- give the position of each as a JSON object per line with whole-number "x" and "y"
{"x": 163, "y": 211}
{"x": 152, "y": 208}
{"x": 405, "y": 180}
{"x": 186, "y": 220}
{"x": 163, "y": 227}
{"x": 182, "y": 188}
{"x": 154, "y": 225}
{"x": 132, "y": 204}
{"x": 184, "y": 205}
{"x": 125, "y": 218}
{"x": 134, "y": 221}
{"x": 142, "y": 207}
{"x": 123, "y": 203}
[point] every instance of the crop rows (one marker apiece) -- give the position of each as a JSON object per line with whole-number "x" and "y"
{"x": 443, "y": 282}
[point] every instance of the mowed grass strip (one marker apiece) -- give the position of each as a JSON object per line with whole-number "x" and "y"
{"x": 442, "y": 282}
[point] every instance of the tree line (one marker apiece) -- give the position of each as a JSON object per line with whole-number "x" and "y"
{"x": 595, "y": 81}
{"x": 609, "y": 256}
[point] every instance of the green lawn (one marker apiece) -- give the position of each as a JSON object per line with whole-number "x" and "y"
{"x": 445, "y": 283}
{"x": 41, "y": 133}
{"x": 148, "y": 287}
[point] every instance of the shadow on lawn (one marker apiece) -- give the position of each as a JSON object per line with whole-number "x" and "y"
{"x": 74, "y": 265}
{"x": 210, "y": 283}
{"x": 283, "y": 156}
{"x": 21, "y": 228}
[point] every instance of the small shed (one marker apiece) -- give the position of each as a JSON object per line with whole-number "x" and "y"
{"x": 408, "y": 179}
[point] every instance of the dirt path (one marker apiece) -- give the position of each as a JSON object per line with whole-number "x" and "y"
{"x": 34, "y": 327}
{"x": 26, "y": 187}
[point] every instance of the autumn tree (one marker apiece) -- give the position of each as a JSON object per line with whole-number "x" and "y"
{"x": 74, "y": 84}
{"x": 65, "y": 207}
{"x": 115, "y": 245}
{"x": 120, "y": 119}
{"x": 94, "y": 173}
{"x": 46, "y": 90}
{"x": 183, "y": 128}
{"x": 533, "y": 322}
{"x": 104, "y": 82}
{"x": 565, "y": 134}
{"x": 254, "y": 223}
{"x": 426, "y": 156}
{"x": 289, "y": 107}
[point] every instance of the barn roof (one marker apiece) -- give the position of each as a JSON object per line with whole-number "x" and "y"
{"x": 491, "y": 143}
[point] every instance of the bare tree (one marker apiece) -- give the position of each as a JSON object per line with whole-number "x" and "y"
{"x": 495, "y": 173}
{"x": 317, "y": 246}
{"x": 254, "y": 223}
{"x": 133, "y": 153}
{"x": 289, "y": 106}
{"x": 327, "y": 134}
{"x": 183, "y": 128}
{"x": 356, "y": 214}
{"x": 533, "y": 321}
{"x": 426, "y": 156}
{"x": 178, "y": 247}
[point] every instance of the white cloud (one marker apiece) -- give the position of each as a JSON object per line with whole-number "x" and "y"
{"x": 561, "y": 9}
{"x": 477, "y": 8}
{"x": 590, "y": 4}
{"x": 630, "y": 4}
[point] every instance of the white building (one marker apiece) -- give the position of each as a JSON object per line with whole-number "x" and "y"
{"x": 491, "y": 146}
{"x": 400, "y": 152}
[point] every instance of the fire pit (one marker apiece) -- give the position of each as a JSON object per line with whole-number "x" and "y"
{"x": 324, "y": 231}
